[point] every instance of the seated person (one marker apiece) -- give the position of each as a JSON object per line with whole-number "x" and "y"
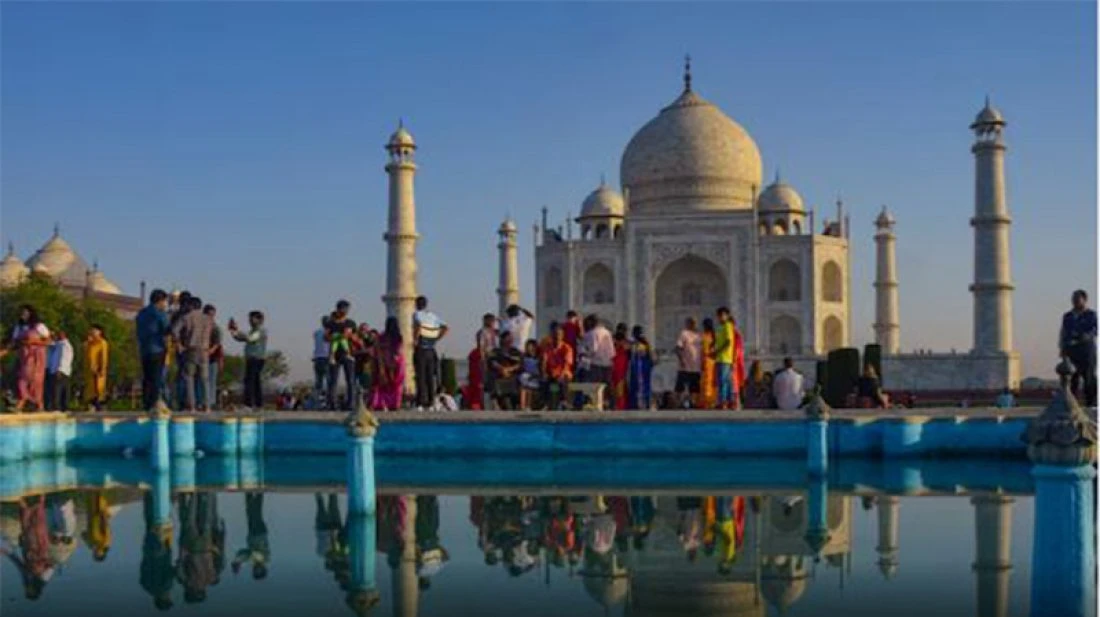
{"x": 505, "y": 363}
{"x": 870, "y": 391}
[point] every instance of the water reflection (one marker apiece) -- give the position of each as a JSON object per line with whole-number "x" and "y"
{"x": 665, "y": 554}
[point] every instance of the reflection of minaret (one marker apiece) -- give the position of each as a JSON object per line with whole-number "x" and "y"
{"x": 406, "y": 588}
{"x": 887, "y": 548}
{"x": 993, "y": 566}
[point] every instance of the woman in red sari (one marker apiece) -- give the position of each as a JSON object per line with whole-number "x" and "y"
{"x": 620, "y": 372}
{"x": 389, "y": 368}
{"x": 474, "y": 392}
{"x": 738, "y": 365}
{"x": 32, "y": 337}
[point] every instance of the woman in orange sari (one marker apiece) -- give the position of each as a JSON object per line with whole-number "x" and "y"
{"x": 620, "y": 371}
{"x": 708, "y": 388}
{"x": 474, "y": 393}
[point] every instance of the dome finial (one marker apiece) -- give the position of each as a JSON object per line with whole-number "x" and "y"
{"x": 400, "y": 122}
{"x": 987, "y": 99}
{"x": 56, "y": 229}
{"x": 687, "y": 73}
{"x": 777, "y": 175}
{"x": 11, "y": 248}
{"x": 603, "y": 180}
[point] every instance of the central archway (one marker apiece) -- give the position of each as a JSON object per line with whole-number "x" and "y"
{"x": 688, "y": 287}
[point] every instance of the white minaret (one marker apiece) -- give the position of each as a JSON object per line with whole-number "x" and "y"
{"x": 887, "y": 548}
{"x": 993, "y": 566}
{"x": 508, "y": 289}
{"x": 886, "y": 284}
{"x": 992, "y": 285}
{"x": 401, "y": 239}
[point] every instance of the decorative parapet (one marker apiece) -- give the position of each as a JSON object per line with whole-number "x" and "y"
{"x": 361, "y": 423}
{"x": 817, "y": 409}
{"x": 1063, "y": 434}
{"x": 160, "y": 411}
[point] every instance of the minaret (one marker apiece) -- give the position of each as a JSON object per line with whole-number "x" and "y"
{"x": 993, "y": 566}
{"x": 401, "y": 239}
{"x": 508, "y": 288}
{"x": 887, "y": 548}
{"x": 992, "y": 285}
{"x": 886, "y": 284}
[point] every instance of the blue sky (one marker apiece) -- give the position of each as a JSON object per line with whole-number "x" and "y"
{"x": 236, "y": 148}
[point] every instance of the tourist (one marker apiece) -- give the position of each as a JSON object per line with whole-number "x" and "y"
{"x": 738, "y": 368}
{"x": 487, "y": 341}
{"x": 788, "y": 386}
{"x": 518, "y": 321}
{"x": 96, "y": 352}
{"x": 427, "y": 331}
{"x": 708, "y": 377}
{"x": 157, "y": 574}
{"x": 196, "y": 567}
{"x": 339, "y": 333}
{"x": 97, "y": 531}
{"x": 505, "y": 364}
{"x": 257, "y": 550}
{"x": 724, "y": 341}
{"x": 183, "y": 307}
{"x": 152, "y": 330}
{"x": 215, "y": 359}
{"x": 193, "y": 333}
{"x": 34, "y": 564}
{"x": 32, "y": 337}
{"x": 730, "y": 530}
{"x": 389, "y": 368}
{"x": 255, "y": 353}
{"x": 320, "y": 358}
{"x": 362, "y": 351}
{"x": 689, "y": 349}
{"x": 600, "y": 346}
{"x": 1006, "y": 400}
{"x": 757, "y": 395}
{"x": 530, "y": 377}
{"x": 620, "y": 373}
{"x": 557, "y": 367}
{"x": 572, "y": 329}
{"x": 60, "y": 367}
{"x": 870, "y": 390}
{"x": 641, "y": 370}
{"x": 473, "y": 394}
{"x": 1077, "y": 342}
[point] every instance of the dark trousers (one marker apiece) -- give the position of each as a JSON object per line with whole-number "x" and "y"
{"x": 60, "y": 391}
{"x": 48, "y": 391}
{"x": 352, "y": 385}
{"x": 1083, "y": 358}
{"x": 426, "y": 363}
{"x": 253, "y": 388}
{"x": 152, "y": 378}
{"x": 320, "y": 373}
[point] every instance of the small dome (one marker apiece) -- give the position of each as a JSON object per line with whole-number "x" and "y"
{"x": 401, "y": 138}
{"x": 885, "y": 219}
{"x": 100, "y": 283}
{"x": 783, "y": 581}
{"x": 607, "y": 591}
{"x": 508, "y": 226}
{"x": 691, "y": 157}
{"x": 602, "y": 202}
{"x": 780, "y": 196}
{"x": 58, "y": 260}
{"x": 989, "y": 115}
{"x": 12, "y": 269}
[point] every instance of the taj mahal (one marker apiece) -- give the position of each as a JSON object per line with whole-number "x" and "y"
{"x": 694, "y": 227}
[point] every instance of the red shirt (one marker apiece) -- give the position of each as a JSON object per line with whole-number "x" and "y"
{"x": 572, "y": 334}
{"x": 559, "y": 360}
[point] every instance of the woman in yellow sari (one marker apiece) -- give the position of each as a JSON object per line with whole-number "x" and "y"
{"x": 708, "y": 389}
{"x": 95, "y": 368}
{"x": 98, "y": 534}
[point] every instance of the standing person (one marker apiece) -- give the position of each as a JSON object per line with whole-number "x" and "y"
{"x": 362, "y": 351}
{"x": 572, "y": 329}
{"x": 487, "y": 339}
{"x": 427, "y": 329}
{"x": 96, "y": 352}
{"x": 255, "y": 353}
{"x": 62, "y": 364}
{"x": 257, "y": 550}
{"x": 557, "y": 366}
{"x": 689, "y": 350}
{"x": 32, "y": 337}
{"x": 340, "y": 332}
{"x": 215, "y": 359}
{"x": 183, "y": 307}
{"x": 151, "y": 324}
{"x": 708, "y": 382}
{"x": 473, "y": 395}
{"x": 389, "y": 368}
{"x": 641, "y": 369}
{"x": 738, "y": 368}
{"x": 192, "y": 334}
{"x": 506, "y": 363}
{"x": 320, "y": 359}
{"x": 517, "y": 320}
{"x": 601, "y": 349}
{"x": 53, "y": 358}
{"x": 620, "y": 372}
{"x": 788, "y": 386}
{"x": 724, "y": 341}
{"x": 1077, "y": 342}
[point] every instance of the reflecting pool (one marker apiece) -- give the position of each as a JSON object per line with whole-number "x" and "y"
{"x": 500, "y": 537}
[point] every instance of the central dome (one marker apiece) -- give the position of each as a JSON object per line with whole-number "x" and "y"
{"x": 690, "y": 157}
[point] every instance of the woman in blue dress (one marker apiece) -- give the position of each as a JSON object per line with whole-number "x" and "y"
{"x": 640, "y": 370}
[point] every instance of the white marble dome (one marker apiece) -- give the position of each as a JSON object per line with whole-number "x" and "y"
{"x": 603, "y": 202}
{"x": 401, "y": 137}
{"x": 58, "y": 260}
{"x": 12, "y": 269}
{"x": 100, "y": 283}
{"x": 780, "y": 196}
{"x": 691, "y": 157}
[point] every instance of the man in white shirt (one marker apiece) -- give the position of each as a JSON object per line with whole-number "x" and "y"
{"x": 599, "y": 347}
{"x": 517, "y": 320}
{"x": 320, "y": 358}
{"x": 59, "y": 366}
{"x": 787, "y": 386}
{"x": 689, "y": 354}
{"x": 428, "y": 329}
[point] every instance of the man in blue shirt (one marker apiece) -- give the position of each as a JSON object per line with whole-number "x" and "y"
{"x": 427, "y": 330}
{"x": 152, "y": 329}
{"x": 1078, "y": 343}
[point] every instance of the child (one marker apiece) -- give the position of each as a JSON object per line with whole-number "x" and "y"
{"x": 530, "y": 377}
{"x": 340, "y": 342}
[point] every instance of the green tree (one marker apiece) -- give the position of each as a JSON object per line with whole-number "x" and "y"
{"x": 74, "y": 316}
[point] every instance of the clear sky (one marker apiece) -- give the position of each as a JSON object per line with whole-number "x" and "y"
{"x": 236, "y": 148}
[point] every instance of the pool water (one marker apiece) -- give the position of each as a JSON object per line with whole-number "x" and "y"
{"x": 293, "y": 550}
